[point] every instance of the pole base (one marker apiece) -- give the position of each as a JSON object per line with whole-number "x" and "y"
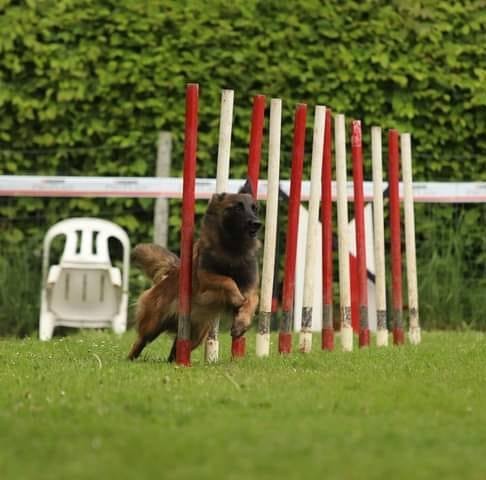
{"x": 364, "y": 338}
{"x": 262, "y": 345}
{"x": 212, "y": 350}
{"x": 382, "y": 338}
{"x": 238, "y": 347}
{"x": 398, "y": 336}
{"x": 414, "y": 335}
{"x": 183, "y": 352}
{"x": 305, "y": 342}
{"x": 284, "y": 342}
{"x": 347, "y": 338}
{"x": 327, "y": 339}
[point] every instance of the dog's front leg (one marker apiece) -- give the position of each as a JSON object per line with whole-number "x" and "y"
{"x": 244, "y": 315}
{"x": 211, "y": 285}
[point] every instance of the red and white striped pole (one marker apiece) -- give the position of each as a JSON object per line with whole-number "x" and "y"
{"x": 238, "y": 344}
{"x": 263, "y": 334}
{"x": 305, "y": 340}
{"x": 183, "y": 343}
{"x": 343, "y": 233}
{"x": 379, "y": 237}
{"x": 285, "y": 334}
{"x": 327, "y": 335}
{"x": 357, "y": 157}
{"x": 222, "y": 177}
{"x": 414, "y": 325}
{"x": 395, "y": 237}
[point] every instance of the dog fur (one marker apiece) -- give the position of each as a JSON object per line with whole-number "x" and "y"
{"x": 225, "y": 274}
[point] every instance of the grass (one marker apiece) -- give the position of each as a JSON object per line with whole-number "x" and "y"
{"x": 74, "y": 408}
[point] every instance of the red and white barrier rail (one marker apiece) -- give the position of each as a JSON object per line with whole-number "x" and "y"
{"x": 171, "y": 187}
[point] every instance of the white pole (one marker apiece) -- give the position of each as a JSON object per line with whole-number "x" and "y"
{"x": 222, "y": 177}
{"x": 343, "y": 233}
{"x": 414, "y": 326}
{"x": 379, "y": 234}
{"x": 224, "y": 145}
{"x": 263, "y": 335}
{"x": 305, "y": 340}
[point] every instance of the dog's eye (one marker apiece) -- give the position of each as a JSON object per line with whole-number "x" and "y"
{"x": 254, "y": 208}
{"x": 240, "y": 206}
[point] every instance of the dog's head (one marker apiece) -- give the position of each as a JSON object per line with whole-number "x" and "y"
{"x": 237, "y": 213}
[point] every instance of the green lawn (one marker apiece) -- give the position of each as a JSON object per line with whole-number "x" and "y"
{"x": 75, "y": 408}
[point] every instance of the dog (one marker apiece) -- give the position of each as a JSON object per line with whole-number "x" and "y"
{"x": 225, "y": 274}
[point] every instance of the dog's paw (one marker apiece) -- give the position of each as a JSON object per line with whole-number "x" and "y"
{"x": 238, "y": 329}
{"x": 237, "y": 299}
{"x": 241, "y": 324}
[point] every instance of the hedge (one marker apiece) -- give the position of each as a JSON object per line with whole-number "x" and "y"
{"x": 87, "y": 85}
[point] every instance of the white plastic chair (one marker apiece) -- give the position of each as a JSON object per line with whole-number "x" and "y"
{"x": 84, "y": 290}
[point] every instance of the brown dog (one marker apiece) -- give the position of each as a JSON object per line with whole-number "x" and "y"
{"x": 225, "y": 274}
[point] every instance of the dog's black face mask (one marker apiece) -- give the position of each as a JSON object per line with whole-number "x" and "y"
{"x": 238, "y": 213}
{"x": 241, "y": 216}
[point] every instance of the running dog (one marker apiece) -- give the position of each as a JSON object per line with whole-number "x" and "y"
{"x": 225, "y": 274}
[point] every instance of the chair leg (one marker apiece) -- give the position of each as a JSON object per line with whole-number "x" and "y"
{"x": 119, "y": 324}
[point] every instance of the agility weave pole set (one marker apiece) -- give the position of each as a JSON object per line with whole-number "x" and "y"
{"x": 320, "y": 198}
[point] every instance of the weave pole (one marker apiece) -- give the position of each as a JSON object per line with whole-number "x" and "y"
{"x": 357, "y": 157}
{"x": 222, "y": 176}
{"x": 327, "y": 334}
{"x": 298, "y": 148}
{"x": 256, "y": 140}
{"x": 379, "y": 236}
{"x": 305, "y": 340}
{"x": 343, "y": 232}
{"x": 395, "y": 238}
{"x": 183, "y": 343}
{"x": 411, "y": 259}
{"x": 268, "y": 271}
{"x": 238, "y": 344}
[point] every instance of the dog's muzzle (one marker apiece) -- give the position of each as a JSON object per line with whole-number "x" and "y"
{"x": 253, "y": 227}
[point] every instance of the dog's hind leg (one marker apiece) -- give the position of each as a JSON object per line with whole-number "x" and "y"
{"x": 137, "y": 348}
{"x": 172, "y": 355}
{"x": 145, "y": 338}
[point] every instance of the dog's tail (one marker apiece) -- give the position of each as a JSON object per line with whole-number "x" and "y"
{"x": 154, "y": 260}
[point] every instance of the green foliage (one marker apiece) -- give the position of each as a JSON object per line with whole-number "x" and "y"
{"x": 451, "y": 272}
{"x": 20, "y": 280}
{"x": 85, "y": 87}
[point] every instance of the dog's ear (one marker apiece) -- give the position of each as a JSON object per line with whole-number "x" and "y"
{"x": 216, "y": 198}
{"x": 247, "y": 188}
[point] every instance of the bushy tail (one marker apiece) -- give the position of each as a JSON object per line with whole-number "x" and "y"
{"x": 154, "y": 260}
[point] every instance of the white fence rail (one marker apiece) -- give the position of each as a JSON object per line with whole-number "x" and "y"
{"x": 168, "y": 187}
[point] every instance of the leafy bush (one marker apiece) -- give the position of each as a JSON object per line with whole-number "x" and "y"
{"x": 87, "y": 85}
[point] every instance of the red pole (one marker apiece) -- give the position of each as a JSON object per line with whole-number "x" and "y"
{"x": 285, "y": 334}
{"x": 357, "y": 155}
{"x": 395, "y": 237}
{"x": 238, "y": 345}
{"x": 256, "y": 139}
{"x": 327, "y": 336}
{"x": 183, "y": 344}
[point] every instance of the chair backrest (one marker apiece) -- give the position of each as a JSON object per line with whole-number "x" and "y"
{"x": 84, "y": 294}
{"x": 87, "y": 243}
